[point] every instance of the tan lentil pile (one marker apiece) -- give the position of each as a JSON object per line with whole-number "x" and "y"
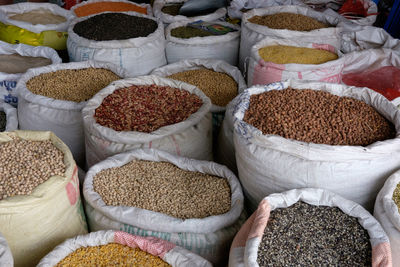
{"x": 396, "y": 196}
{"x": 38, "y": 16}
{"x": 145, "y": 108}
{"x": 163, "y": 187}
{"x": 25, "y": 164}
{"x": 288, "y": 21}
{"x": 219, "y": 87}
{"x": 75, "y": 85}
{"x": 317, "y": 117}
{"x": 283, "y": 54}
{"x": 112, "y": 254}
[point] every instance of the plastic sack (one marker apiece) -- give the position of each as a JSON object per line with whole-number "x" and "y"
{"x": 167, "y": 19}
{"x": 92, "y": 7}
{"x": 224, "y": 47}
{"x": 387, "y": 213}
{"x": 245, "y": 245}
{"x": 11, "y": 116}
{"x": 34, "y": 224}
{"x": 168, "y": 252}
{"x": 354, "y": 172}
{"x": 263, "y": 72}
{"x": 15, "y": 32}
{"x": 374, "y": 68}
{"x": 64, "y": 118}
{"x": 253, "y": 33}
{"x": 190, "y": 138}
{"x": 8, "y": 81}
{"x": 237, "y": 7}
{"x": 6, "y": 258}
{"x": 210, "y": 237}
{"x": 138, "y": 56}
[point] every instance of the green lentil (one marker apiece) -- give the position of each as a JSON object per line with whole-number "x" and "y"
{"x": 165, "y": 188}
{"x": 289, "y": 21}
{"x": 112, "y": 254}
{"x": 172, "y": 9}
{"x": 3, "y": 121}
{"x": 219, "y": 87}
{"x": 186, "y": 32}
{"x": 308, "y": 235}
{"x": 396, "y": 196}
{"x": 75, "y": 85}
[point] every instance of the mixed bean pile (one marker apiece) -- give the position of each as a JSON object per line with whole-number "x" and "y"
{"x": 3, "y": 121}
{"x": 283, "y": 54}
{"x": 15, "y": 63}
{"x": 72, "y": 85}
{"x": 165, "y": 188}
{"x": 288, "y": 21}
{"x": 107, "y": 26}
{"x": 146, "y": 108}
{"x": 396, "y": 196}
{"x": 112, "y": 254}
{"x": 307, "y": 235}
{"x": 25, "y": 164}
{"x": 219, "y": 87}
{"x": 317, "y": 117}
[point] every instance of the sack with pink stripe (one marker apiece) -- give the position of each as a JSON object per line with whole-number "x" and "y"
{"x": 262, "y": 72}
{"x": 168, "y": 252}
{"x": 244, "y": 250}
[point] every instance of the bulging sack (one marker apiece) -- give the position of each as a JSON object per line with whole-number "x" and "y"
{"x": 354, "y": 172}
{"x": 11, "y": 116}
{"x": 34, "y": 224}
{"x": 245, "y": 245}
{"x": 167, "y": 18}
{"x": 262, "y": 72}
{"x": 8, "y": 81}
{"x": 92, "y": 7}
{"x": 223, "y": 47}
{"x": 387, "y": 213}
{"x": 6, "y": 258}
{"x": 170, "y": 253}
{"x": 210, "y": 237}
{"x": 64, "y": 118}
{"x": 253, "y": 33}
{"x": 16, "y": 31}
{"x": 190, "y": 138}
{"x": 138, "y": 56}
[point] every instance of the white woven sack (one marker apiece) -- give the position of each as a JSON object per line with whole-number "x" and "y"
{"x": 38, "y": 28}
{"x": 245, "y": 245}
{"x": 190, "y": 138}
{"x": 34, "y": 224}
{"x": 223, "y": 47}
{"x": 37, "y": 112}
{"x": 354, "y": 172}
{"x": 8, "y": 81}
{"x": 11, "y": 116}
{"x": 147, "y": 6}
{"x": 167, "y": 19}
{"x": 236, "y": 6}
{"x": 387, "y": 213}
{"x": 263, "y": 72}
{"x": 209, "y": 237}
{"x": 6, "y": 258}
{"x": 138, "y": 56}
{"x": 168, "y": 252}
{"x": 212, "y": 64}
{"x": 252, "y": 33}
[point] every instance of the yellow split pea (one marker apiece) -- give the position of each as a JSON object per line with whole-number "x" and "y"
{"x": 283, "y": 54}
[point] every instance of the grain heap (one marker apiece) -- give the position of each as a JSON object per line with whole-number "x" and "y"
{"x": 98, "y": 7}
{"x": 186, "y": 32}
{"x": 283, "y": 54}
{"x": 146, "y": 108}
{"x": 219, "y": 87}
{"x": 112, "y": 254}
{"x": 289, "y": 21}
{"x": 3, "y": 121}
{"x": 172, "y": 9}
{"x": 15, "y": 63}
{"x": 107, "y": 26}
{"x": 396, "y": 196}
{"x": 38, "y": 16}
{"x": 26, "y": 164}
{"x": 164, "y": 188}
{"x": 71, "y": 84}
{"x": 308, "y": 235}
{"x": 331, "y": 120}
